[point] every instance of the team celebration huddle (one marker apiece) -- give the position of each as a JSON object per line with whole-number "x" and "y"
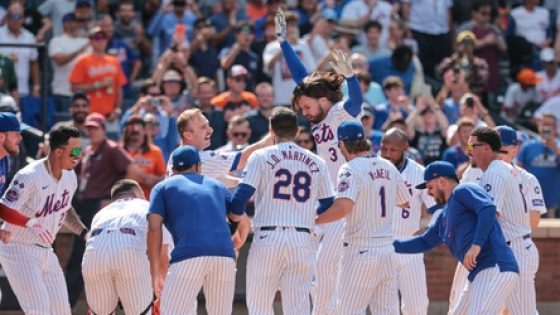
{"x": 336, "y": 232}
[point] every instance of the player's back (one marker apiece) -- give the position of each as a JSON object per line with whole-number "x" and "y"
{"x": 504, "y": 185}
{"x": 124, "y": 213}
{"x": 532, "y": 190}
{"x": 407, "y": 220}
{"x": 288, "y": 181}
{"x": 325, "y": 134}
{"x": 378, "y": 187}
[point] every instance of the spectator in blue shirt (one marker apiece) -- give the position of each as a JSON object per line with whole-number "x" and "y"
{"x": 225, "y": 21}
{"x": 398, "y": 64}
{"x": 457, "y": 154}
{"x": 397, "y": 105}
{"x": 165, "y": 25}
{"x": 470, "y": 229}
{"x": 541, "y": 157}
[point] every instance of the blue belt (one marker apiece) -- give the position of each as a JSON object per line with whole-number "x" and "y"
{"x": 273, "y": 228}
{"x": 130, "y": 231}
{"x": 526, "y": 236}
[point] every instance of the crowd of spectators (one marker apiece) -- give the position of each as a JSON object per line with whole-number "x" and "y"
{"x": 122, "y": 72}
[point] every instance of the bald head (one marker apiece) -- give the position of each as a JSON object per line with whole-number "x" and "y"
{"x": 395, "y": 136}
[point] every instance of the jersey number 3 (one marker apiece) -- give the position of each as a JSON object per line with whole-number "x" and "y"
{"x": 287, "y": 185}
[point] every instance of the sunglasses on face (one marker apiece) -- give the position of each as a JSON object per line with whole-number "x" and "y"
{"x": 15, "y": 16}
{"x": 98, "y": 37}
{"x": 240, "y": 134}
{"x": 75, "y": 152}
{"x": 471, "y": 146}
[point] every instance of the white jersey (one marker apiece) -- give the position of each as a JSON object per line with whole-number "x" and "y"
{"x": 325, "y": 134}
{"x": 532, "y": 191}
{"x": 407, "y": 220}
{"x": 214, "y": 164}
{"x": 503, "y": 183}
{"x": 471, "y": 175}
{"x": 35, "y": 194}
{"x": 376, "y": 187}
{"x": 126, "y": 213}
{"x": 288, "y": 181}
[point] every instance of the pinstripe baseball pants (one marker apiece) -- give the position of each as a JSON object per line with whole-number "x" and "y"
{"x": 487, "y": 293}
{"x": 214, "y": 274}
{"x": 280, "y": 259}
{"x": 367, "y": 277}
{"x": 36, "y": 278}
{"x": 411, "y": 283}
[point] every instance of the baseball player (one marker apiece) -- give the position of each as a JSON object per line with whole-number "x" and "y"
{"x": 203, "y": 256}
{"x": 115, "y": 265}
{"x": 504, "y": 184}
{"x": 410, "y": 270}
{"x": 43, "y": 191}
{"x": 288, "y": 181}
{"x": 319, "y": 97}
{"x": 368, "y": 190}
{"x": 469, "y": 228}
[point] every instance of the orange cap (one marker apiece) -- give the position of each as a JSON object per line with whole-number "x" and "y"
{"x": 528, "y": 77}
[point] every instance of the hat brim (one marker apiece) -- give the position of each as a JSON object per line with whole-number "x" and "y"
{"x": 421, "y": 186}
{"x": 93, "y": 124}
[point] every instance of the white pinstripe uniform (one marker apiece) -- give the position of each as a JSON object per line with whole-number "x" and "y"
{"x": 288, "y": 181}
{"x": 330, "y": 249}
{"x": 504, "y": 184}
{"x": 31, "y": 266}
{"x": 115, "y": 265}
{"x": 368, "y": 264}
{"x": 410, "y": 269}
{"x": 214, "y": 164}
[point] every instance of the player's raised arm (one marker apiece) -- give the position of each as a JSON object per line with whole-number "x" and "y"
{"x": 244, "y": 155}
{"x": 342, "y": 64}
{"x": 294, "y": 64}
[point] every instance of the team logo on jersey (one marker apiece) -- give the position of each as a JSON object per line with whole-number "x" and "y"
{"x": 537, "y": 190}
{"x": 538, "y": 203}
{"x": 342, "y": 186}
{"x": 51, "y": 206}
{"x": 322, "y": 133}
{"x": 12, "y": 194}
{"x": 19, "y": 184}
{"x": 487, "y": 187}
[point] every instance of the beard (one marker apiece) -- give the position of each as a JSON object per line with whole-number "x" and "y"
{"x": 13, "y": 151}
{"x": 317, "y": 118}
{"x": 439, "y": 197}
{"x": 79, "y": 118}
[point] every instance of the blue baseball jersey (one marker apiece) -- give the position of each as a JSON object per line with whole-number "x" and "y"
{"x": 194, "y": 209}
{"x": 468, "y": 218}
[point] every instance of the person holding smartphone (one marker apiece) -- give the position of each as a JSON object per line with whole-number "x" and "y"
{"x": 541, "y": 157}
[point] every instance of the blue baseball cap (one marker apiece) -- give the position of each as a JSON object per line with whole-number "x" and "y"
{"x": 435, "y": 170}
{"x": 350, "y": 130}
{"x": 508, "y": 135}
{"x": 9, "y": 122}
{"x": 184, "y": 157}
{"x": 68, "y": 17}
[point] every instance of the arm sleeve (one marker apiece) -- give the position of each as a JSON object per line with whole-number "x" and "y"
{"x": 403, "y": 195}
{"x": 422, "y": 243}
{"x": 493, "y": 184}
{"x": 475, "y": 198}
{"x": 20, "y": 191}
{"x": 536, "y": 201}
{"x": 294, "y": 64}
{"x": 252, "y": 174}
{"x": 324, "y": 204}
{"x": 353, "y": 105}
{"x": 157, "y": 201}
{"x": 240, "y": 198}
{"x": 347, "y": 184}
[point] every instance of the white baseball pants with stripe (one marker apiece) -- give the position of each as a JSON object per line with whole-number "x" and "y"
{"x": 280, "y": 259}
{"x": 36, "y": 278}
{"x": 523, "y": 299}
{"x": 488, "y": 293}
{"x": 327, "y": 268}
{"x": 214, "y": 274}
{"x": 459, "y": 286}
{"x": 367, "y": 277}
{"x": 112, "y": 273}
{"x": 411, "y": 283}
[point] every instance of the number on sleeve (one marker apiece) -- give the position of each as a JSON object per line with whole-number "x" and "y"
{"x": 301, "y": 185}
{"x": 383, "y": 204}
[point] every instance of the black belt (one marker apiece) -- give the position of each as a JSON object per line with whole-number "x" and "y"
{"x": 273, "y": 228}
{"x": 526, "y": 236}
{"x": 130, "y": 231}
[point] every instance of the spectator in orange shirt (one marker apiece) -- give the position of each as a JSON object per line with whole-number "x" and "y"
{"x": 100, "y": 76}
{"x": 235, "y": 101}
{"x": 138, "y": 145}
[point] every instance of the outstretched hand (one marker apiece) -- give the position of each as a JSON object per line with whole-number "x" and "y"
{"x": 341, "y": 63}
{"x": 280, "y": 25}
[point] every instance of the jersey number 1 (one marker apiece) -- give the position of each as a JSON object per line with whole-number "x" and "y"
{"x": 299, "y": 182}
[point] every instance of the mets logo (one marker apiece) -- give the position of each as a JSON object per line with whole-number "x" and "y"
{"x": 487, "y": 187}
{"x": 537, "y": 190}
{"x": 323, "y": 133}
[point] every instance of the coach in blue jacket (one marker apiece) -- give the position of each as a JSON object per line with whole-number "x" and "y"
{"x": 469, "y": 228}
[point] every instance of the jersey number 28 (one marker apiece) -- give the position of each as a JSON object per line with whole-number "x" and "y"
{"x": 288, "y": 185}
